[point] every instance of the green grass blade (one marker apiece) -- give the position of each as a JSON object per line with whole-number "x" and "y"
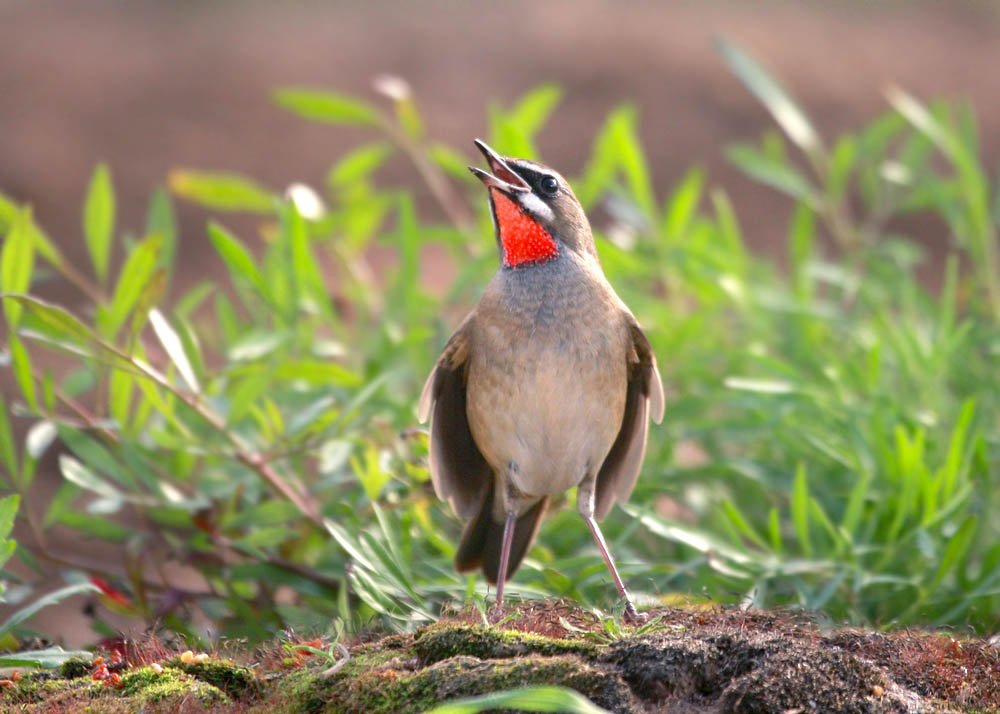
{"x": 527, "y": 699}
{"x": 800, "y": 509}
{"x": 762, "y": 84}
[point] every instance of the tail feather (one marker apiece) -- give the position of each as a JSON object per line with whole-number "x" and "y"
{"x": 482, "y": 539}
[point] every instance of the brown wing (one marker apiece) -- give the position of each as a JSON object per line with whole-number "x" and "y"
{"x": 643, "y": 399}
{"x": 459, "y": 472}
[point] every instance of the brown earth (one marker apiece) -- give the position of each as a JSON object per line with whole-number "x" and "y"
{"x": 683, "y": 662}
{"x": 150, "y": 85}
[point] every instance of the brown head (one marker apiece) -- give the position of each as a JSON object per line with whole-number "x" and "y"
{"x": 535, "y": 213}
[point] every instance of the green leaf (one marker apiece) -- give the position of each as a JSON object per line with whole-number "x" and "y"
{"x": 236, "y": 256}
{"x": 532, "y": 111}
{"x": 312, "y": 290}
{"x": 221, "y": 191}
{"x": 9, "y": 213}
{"x": 742, "y": 525}
{"x": 453, "y": 162}
{"x": 682, "y": 205}
{"x": 52, "y": 598}
{"x": 800, "y": 509}
{"x": 8, "y": 452}
{"x": 266, "y": 537}
{"x": 99, "y": 219}
{"x": 48, "y": 658}
{"x": 958, "y": 545}
{"x": 172, "y": 343}
{"x": 8, "y": 510}
{"x": 775, "y": 173}
{"x": 21, "y": 365}
{"x": 358, "y": 164}
{"x": 133, "y": 279}
{"x": 95, "y": 526}
{"x": 56, "y": 321}
{"x": 779, "y": 102}
{"x": 855, "y": 505}
{"x": 160, "y": 221}
{"x": 16, "y": 264}
{"x": 632, "y": 160}
{"x": 91, "y": 452}
{"x": 370, "y": 473}
{"x": 326, "y": 106}
{"x": 529, "y": 699}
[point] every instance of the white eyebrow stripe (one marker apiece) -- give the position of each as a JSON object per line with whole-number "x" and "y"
{"x": 535, "y": 206}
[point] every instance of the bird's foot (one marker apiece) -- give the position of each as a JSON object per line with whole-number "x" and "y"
{"x": 631, "y": 616}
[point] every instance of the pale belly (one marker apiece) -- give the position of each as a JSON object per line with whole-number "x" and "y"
{"x": 543, "y": 418}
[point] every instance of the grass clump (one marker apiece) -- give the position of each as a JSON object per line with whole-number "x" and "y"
{"x": 830, "y": 440}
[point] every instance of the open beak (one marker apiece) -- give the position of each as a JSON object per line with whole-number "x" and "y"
{"x": 502, "y": 176}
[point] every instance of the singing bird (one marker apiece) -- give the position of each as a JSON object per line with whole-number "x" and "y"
{"x": 547, "y": 384}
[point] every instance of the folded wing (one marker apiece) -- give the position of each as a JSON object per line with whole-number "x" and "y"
{"x": 644, "y": 398}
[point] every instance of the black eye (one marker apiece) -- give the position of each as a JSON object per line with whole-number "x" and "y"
{"x": 549, "y": 185}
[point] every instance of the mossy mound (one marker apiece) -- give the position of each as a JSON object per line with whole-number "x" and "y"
{"x": 686, "y": 661}
{"x": 141, "y": 689}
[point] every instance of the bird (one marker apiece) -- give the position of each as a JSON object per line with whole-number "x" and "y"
{"x": 549, "y": 383}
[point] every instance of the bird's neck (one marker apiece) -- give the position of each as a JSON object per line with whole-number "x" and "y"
{"x": 523, "y": 240}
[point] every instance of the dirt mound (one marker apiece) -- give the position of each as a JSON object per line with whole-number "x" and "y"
{"x": 681, "y": 661}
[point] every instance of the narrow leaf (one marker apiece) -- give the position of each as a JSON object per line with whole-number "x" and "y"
{"x": 8, "y": 510}
{"x": 775, "y": 173}
{"x": 800, "y": 509}
{"x": 532, "y": 111}
{"x": 326, "y": 106}
{"x": 237, "y": 257}
{"x": 99, "y": 219}
{"x": 8, "y": 452}
{"x": 134, "y": 277}
{"x": 51, "y": 599}
{"x": 16, "y": 264}
{"x": 221, "y": 191}
{"x": 48, "y": 658}
{"x": 779, "y": 102}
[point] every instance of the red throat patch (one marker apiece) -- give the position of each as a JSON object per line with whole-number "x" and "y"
{"x": 524, "y": 241}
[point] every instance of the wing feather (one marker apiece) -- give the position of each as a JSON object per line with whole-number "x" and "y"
{"x": 643, "y": 399}
{"x": 459, "y": 472}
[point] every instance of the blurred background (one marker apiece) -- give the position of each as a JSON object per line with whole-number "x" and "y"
{"x": 152, "y": 86}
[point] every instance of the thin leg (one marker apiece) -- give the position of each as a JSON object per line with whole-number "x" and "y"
{"x": 585, "y": 504}
{"x": 508, "y": 537}
{"x": 631, "y": 614}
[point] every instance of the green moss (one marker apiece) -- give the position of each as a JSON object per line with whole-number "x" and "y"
{"x": 385, "y": 691}
{"x": 441, "y": 641}
{"x": 235, "y": 680}
{"x": 139, "y": 688}
{"x": 75, "y": 667}
{"x": 46, "y": 686}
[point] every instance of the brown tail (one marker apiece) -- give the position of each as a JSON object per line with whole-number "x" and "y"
{"x": 483, "y": 538}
